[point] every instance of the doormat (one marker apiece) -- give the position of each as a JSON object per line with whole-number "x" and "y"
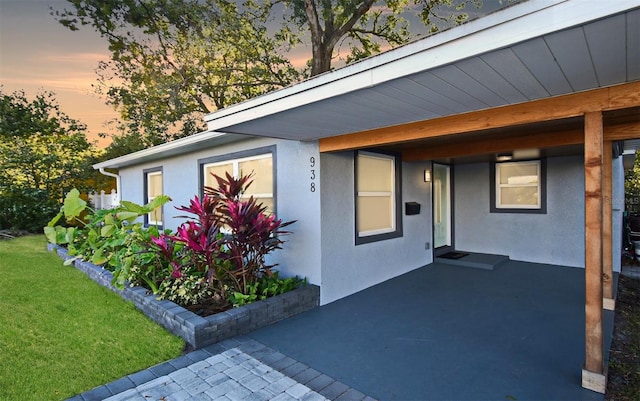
{"x": 453, "y": 255}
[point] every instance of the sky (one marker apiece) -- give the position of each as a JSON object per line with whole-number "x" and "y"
{"x": 37, "y": 53}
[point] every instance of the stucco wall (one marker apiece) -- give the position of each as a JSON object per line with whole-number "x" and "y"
{"x": 301, "y": 253}
{"x": 348, "y": 268}
{"x": 556, "y": 237}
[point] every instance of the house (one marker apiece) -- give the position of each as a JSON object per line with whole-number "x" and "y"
{"x": 502, "y": 136}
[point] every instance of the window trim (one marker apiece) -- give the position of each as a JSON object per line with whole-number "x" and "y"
{"x": 146, "y": 173}
{"x": 542, "y": 189}
{"x": 239, "y": 156}
{"x": 396, "y": 197}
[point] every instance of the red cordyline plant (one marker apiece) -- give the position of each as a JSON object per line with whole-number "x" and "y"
{"x": 230, "y": 237}
{"x": 252, "y": 233}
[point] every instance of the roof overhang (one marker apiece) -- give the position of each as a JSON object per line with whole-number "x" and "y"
{"x": 530, "y": 51}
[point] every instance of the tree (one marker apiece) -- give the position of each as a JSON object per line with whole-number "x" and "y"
{"x": 174, "y": 60}
{"x": 366, "y": 27}
{"x": 632, "y": 186}
{"x": 43, "y": 152}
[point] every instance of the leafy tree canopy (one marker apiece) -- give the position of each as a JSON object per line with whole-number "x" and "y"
{"x": 42, "y": 153}
{"x": 632, "y": 186}
{"x": 174, "y": 60}
{"x": 364, "y": 26}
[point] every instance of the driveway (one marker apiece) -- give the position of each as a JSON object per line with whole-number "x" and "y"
{"x": 449, "y": 332}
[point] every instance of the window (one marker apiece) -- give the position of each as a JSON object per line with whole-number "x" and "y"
{"x": 377, "y": 197}
{"x": 256, "y": 162}
{"x": 153, "y": 188}
{"x": 519, "y": 187}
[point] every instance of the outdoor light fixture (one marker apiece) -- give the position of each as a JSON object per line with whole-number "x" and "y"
{"x": 505, "y": 157}
{"x": 427, "y": 175}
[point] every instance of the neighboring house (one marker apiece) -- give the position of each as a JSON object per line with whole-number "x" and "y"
{"x": 507, "y": 132}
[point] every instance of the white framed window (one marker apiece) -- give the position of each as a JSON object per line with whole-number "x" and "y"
{"x": 153, "y": 188}
{"x": 519, "y": 186}
{"x": 260, "y": 166}
{"x": 377, "y": 197}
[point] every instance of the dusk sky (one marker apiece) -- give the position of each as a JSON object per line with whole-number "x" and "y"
{"x": 37, "y": 53}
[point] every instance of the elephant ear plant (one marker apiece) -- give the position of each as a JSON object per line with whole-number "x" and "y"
{"x": 98, "y": 236}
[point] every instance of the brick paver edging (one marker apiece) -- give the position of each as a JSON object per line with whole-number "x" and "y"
{"x": 239, "y": 369}
{"x": 198, "y": 331}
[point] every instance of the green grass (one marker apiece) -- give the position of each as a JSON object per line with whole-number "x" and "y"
{"x": 61, "y": 333}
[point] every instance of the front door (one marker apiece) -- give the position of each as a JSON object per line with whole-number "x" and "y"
{"x": 442, "y": 209}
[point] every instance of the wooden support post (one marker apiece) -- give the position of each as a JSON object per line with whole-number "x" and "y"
{"x": 608, "y": 301}
{"x": 593, "y": 376}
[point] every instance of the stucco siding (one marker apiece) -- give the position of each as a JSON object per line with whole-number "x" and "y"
{"x": 348, "y": 268}
{"x": 556, "y": 237}
{"x": 181, "y": 180}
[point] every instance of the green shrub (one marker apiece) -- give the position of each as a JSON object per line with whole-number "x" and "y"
{"x": 26, "y": 209}
{"x": 186, "y": 290}
{"x": 266, "y": 286}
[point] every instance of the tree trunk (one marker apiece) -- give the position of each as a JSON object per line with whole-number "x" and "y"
{"x": 321, "y": 59}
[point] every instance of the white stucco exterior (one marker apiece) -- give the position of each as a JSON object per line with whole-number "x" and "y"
{"x": 295, "y": 201}
{"x": 348, "y": 268}
{"x": 322, "y": 245}
{"x": 556, "y": 237}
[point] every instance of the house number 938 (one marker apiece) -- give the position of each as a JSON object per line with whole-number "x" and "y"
{"x": 312, "y": 165}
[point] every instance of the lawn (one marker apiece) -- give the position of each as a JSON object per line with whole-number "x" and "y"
{"x": 61, "y": 333}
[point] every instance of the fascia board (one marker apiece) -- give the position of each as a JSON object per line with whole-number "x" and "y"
{"x": 169, "y": 148}
{"x": 503, "y": 28}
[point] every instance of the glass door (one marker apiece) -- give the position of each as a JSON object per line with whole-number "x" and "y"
{"x": 442, "y": 210}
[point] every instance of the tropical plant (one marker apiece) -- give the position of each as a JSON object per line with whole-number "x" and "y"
{"x": 217, "y": 256}
{"x": 252, "y": 233}
{"x": 266, "y": 286}
{"x": 224, "y": 243}
{"x": 98, "y": 236}
{"x": 139, "y": 261}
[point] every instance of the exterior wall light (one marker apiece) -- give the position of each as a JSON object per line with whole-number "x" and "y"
{"x": 427, "y": 175}
{"x": 505, "y": 157}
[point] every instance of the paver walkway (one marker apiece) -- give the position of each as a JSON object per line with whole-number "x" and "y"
{"x": 234, "y": 370}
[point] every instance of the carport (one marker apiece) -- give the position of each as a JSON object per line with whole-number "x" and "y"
{"x": 561, "y": 77}
{"x": 450, "y": 332}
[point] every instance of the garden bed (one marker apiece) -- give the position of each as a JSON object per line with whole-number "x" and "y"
{"x": 198, "y": 331}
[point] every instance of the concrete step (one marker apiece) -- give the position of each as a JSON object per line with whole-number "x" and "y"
{"x": 473, "y": 259}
